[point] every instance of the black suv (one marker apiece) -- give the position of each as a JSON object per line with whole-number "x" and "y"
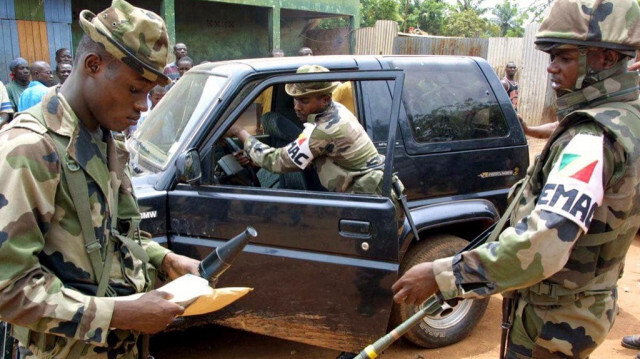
{"x": 323, "y": 263}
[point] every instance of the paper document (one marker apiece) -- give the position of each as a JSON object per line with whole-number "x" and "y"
{"x": 195, "y": 294}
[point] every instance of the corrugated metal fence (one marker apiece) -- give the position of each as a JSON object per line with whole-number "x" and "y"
{"x": 376, "y": 40}
{"x": 532, "y": 76}
{"x": 535, "y": 93}
{"x": 432, "y": 45}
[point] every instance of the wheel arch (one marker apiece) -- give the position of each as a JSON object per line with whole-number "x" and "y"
{"x": 465, "y": 219}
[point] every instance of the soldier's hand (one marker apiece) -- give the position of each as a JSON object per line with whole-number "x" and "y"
{"x": 149, "y": 314}
{"x": 176, "y": 265}
{"x": 242, "y": 159}
{"x": 635, "y": 66}
{"x": 416, "y": 285}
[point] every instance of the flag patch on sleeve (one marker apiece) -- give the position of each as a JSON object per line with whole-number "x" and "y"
{"x": 298, "y": 150}
{"x": 574, "y": 188}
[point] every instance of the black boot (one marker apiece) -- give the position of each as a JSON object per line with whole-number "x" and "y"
{"x": 631, "y": 341}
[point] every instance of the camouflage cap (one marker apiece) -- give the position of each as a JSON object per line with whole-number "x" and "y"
{"x": 612, "y": 24}
{"x": 133, "y": 35}
{"x": 302, "y": 89}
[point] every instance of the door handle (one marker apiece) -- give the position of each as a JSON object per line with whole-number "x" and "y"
{"x": 355, "y": 229}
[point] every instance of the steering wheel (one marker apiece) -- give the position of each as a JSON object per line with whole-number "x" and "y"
{"x": 235, "y": 148}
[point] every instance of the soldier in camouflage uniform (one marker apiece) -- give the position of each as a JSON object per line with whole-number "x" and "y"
{"x": 67, "y": 211}
{"x": 579, "y": 208}
{"x": 333, "y": 140}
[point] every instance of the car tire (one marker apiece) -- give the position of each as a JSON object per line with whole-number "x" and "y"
{"x": 451, "y": 326}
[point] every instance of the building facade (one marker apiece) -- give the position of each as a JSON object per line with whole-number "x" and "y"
{"x": 212, "y": 29}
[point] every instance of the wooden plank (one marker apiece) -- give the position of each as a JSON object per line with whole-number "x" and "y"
{"x": 59, "y": 35}
{"x": 57, "y": 11}
{"x": 41, "y": 42}
{"x": 25, "y": 38}
{"x": 9, "y": 47}
{"x": 7, "y": 10}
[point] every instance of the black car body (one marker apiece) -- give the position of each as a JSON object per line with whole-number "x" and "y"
{"x": 323, "y": 263}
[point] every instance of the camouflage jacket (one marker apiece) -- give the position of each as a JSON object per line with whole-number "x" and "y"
{"x": 46, "y": 278}
{"x": 334, "y": 141}
{"x": 586, "y": 181}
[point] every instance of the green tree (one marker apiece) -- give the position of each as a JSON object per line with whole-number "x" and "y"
{"x": 508, "y": 19}
{"x": 431, "y": 16}
{"x": 373, "y": 10}
{"x": 536, "y": 9}
{"x": 467, "y": 23}
{"x": 471, "y": 5}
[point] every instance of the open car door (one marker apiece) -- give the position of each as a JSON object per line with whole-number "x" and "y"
{"x": 323, "y": 263}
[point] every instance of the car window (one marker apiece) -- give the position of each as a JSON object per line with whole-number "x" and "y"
{"x": 173, "y": 119}
{"x": 272, "y": 119}
{"x": 449, "y": 101}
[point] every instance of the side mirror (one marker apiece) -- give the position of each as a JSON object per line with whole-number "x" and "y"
{"x": 188, "y": 167}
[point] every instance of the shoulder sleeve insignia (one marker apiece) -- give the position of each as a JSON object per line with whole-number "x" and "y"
{"x": 299, "y": 151}
{"x": 574, "y": 188}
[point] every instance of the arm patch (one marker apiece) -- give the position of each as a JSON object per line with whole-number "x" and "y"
{"x": 299, "y": 151}
{"x": 574, "y": 188}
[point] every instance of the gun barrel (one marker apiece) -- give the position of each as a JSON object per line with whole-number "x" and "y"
{"x": 213, "y": 265}
{"x": 432, "y": 306}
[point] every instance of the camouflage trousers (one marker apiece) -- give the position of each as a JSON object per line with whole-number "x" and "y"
{"x": 571, "y": 330}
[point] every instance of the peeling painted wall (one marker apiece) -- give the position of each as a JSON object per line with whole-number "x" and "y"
{"x": 219, "y": 31}
{"x": 230, "y": 29}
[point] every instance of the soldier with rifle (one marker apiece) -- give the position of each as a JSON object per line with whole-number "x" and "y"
{"x": 578, "y": 210}
{"x": 69, "y": 235}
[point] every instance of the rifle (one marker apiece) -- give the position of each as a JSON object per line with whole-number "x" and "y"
{"x": 218, "y": 261}
{"x": 431, "y": 306}
{"x": 508, "y": 312}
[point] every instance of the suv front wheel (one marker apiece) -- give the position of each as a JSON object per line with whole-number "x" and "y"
{"x": 457, "y": 323}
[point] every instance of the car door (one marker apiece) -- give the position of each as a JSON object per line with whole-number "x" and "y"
{"x": 323, "y": 263}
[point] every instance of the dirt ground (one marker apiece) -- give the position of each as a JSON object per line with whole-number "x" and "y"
{"x": 483, "y": 343}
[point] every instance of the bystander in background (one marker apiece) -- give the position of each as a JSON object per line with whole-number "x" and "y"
{"x": 42, "y": 77}
{"x": 19, "y": 68}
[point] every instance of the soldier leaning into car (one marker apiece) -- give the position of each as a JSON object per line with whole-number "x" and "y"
{"x": 67, "y": 211}
{"x": 580, "y": 208}
{"x": 333, "y": 140}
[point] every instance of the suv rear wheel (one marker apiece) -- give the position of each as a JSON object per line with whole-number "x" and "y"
{"x": 456, "y": 323}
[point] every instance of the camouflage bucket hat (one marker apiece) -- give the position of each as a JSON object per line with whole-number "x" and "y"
{"x": 612, "y": 24}
{"x": 302, "y": 89}
{"x": 133, "y": 35}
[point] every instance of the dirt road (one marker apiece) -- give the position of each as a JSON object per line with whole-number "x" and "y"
{"x": 483, "y": 343}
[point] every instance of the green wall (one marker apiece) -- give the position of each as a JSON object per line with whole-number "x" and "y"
{"x": 219, "y": 31}
{"x": 230, "y": 29}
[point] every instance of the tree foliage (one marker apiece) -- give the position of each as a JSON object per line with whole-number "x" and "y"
{"x": 508, "y": 19}
{"x": 471, "y": 5}
{"x": 372, "y": 10}
{"x": 427, "y": 15}
{"x": 465, "y": 18}
{"x": 467, "y": 23}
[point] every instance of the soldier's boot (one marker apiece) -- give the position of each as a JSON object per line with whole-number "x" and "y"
{"x": 631, "y": 341}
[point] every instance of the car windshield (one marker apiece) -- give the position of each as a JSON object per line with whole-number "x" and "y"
{"x": 174, "y": 118}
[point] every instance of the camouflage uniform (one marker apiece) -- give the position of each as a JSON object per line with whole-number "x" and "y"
{"x": 343, "y": 155}
{"x": 579, "y": 211}
{"x": 47, "y": 281}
